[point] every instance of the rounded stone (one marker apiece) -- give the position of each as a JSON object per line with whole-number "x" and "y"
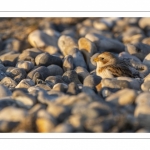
{"x": 114, "y": 83}
{"x": 73, "y": 89}
{"x": 78, "y": 59}
{"x": 146, "y": 86}
{"x": 66, "y": 44}
{"x": 25, "y": 83}
{"x": 105, "y": 44}
{"x": 16, "y": 74}
{"x": 82, "y": 73}
{"x": 39, "y": 38}
{"x": 26, "y": 99}
{"x": 52, "y": 80}
{"x": 15, "y": 114}
{"x": 5, "y": 92}
{"x": 10, "y": 58}
{"x": 41, "y": 72}
{"x": 139, "y": 50}
{"x": 123, "y": 97}
{"x": 70, "y": 76}
{"x": 91, "y": 81}
{"x": 26, "y": 65}
{"x": 46, "y": 59}
{"x": 29, "y": 54}
{"x": 43, "y": 86}
{"x": 61, "y": 87}
{"x": 8, "y": 82}
{"x": 68, "y": 63}
{"x": 55, "y": 70}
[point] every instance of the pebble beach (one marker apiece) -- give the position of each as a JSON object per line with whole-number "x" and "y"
{"x": 48, "y": 80}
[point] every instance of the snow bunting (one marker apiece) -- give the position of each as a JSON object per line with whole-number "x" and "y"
{"x": 110, "y": 66}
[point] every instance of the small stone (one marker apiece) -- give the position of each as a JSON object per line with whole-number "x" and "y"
{"x": 44, "y": 122}
{"x": 146, "y": 86}
{"x": 87, "y": 48}
{"x": 66, "y": 44}
{"x": 105, "y": 44}
{"x": 39, "y": 38}
{"x": 144, "y": 22}
{"x": 55, "y": 70}
{"x": 134, "y": 83}
{"x": 41, "y": 72}
{"x": 139, "y": 50}
{"x": 146, "y": 60}
{"x": 9, "y": 59}
{"x": 27, "y": 99}
{"x": 61, "y": 87}
{"x": 70, "y": 76}
{"x": 73, "y": 89}
{"x": 4, "y": 91}
{"x": 8, "y": 82}
{"x": 91, "y": 81}
{"x": 29, "y": 54}
{"x": 12, "y": 114}
{"x": 78, "y": 59}
{"x": 82, "y": 73}
{"x": 26, "y": 65}
{"x": 6, "y": 102}
{"x": 123, "y": 97}
{"x": 52, "y": 80}
{"x": 114, "y": 83}
{"x": 12, "y": 44}
{"x": 63, "y": 128}
{"x": 58, "y": 111}
{"x": 16, "y": 74}
{"x": 68, "y": 63}
{"x": 43, "y": 86}
{"x": 25, "y": 83}
{"x": 46, "y": 59}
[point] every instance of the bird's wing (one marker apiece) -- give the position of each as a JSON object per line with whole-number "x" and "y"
{"x": 118, "y": 70}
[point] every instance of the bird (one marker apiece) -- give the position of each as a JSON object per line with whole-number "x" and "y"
{"x": 110, "y": 66}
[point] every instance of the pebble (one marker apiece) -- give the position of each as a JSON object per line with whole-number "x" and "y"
{"x": 26, "y": 65}
{"x": 4, "y": 91}
{"x": 105, "y": 44}
{"x": 29, "y": 55}
{"x": 52, "y": 80}
{"x": 87, "y": 48}
{"x": 78, "y": 59}
{"x": 82, "y": 73}
{"x": 61, "y": 87}
{"x": 11, "y": 44}
{"x": 10, "y": 58}
{"x": 39, "y": 38}
{"x": 55, "y": 70}
{"x": 68, "y": 63}
{"x": 9, "y": 83}
{"x": 73, "y": 89}
{"x": 16, "y": 74}
{"x": 41, "y": 72}
{"x": 25, "y": 83}
{"x": 70, "y": 76}
{"x": 91, "y": 81}
{"x": 67, "y": 44}
{"x": 26, "y": 99}
{"x": 122, "y": 98}
{"x": 46, "y": 59}
{"x": 139, "y": 50}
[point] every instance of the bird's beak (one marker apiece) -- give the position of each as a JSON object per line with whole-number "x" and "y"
{"x": 96, "y": 59}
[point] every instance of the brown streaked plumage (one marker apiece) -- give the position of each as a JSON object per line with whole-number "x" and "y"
{"x": 109, "y": 66}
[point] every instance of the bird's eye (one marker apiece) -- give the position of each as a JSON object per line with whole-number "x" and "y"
{"x": 102, "y": 58}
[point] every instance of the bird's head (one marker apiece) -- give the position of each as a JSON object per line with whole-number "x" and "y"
{"x": 105, "y": 58}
